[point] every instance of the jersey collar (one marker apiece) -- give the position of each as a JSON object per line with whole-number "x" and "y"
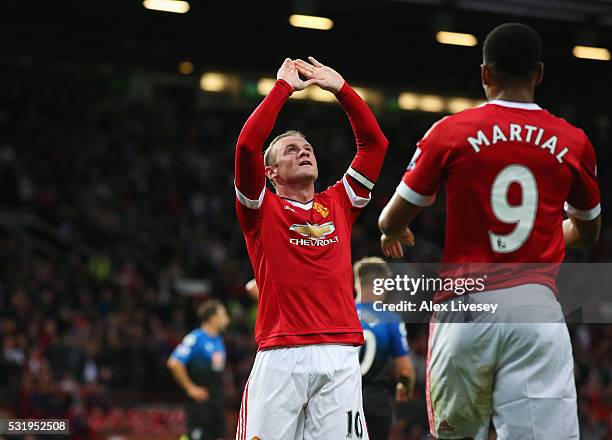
{"x": 306, "y": 206}
{"x": 513, "y": 104}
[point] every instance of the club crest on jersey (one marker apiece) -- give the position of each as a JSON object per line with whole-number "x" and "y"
{"x": 314, "y": 231}
{"x": 323, "y": 210}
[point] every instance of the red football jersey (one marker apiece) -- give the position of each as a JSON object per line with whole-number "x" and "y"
{"x": 508, "y": 169}
{"x": 301, "y": 255}
{"x": 301, "y": 252}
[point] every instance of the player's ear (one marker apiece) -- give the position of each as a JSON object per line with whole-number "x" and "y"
{"x": 485, "y": 75}
{"x": 539, "y": 74}
{"x": 271, "y": 172}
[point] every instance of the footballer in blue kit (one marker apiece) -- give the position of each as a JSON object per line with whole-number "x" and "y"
{"x": 197, "y": 365}
{"x": 385, "y": 354}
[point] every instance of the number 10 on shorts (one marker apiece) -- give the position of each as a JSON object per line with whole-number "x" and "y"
{"x": 353, "y": 424}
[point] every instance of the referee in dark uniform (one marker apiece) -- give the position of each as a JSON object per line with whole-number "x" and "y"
{"x": 197, "y": 365}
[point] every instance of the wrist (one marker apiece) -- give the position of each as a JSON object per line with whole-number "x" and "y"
{"x": 391, "y": 235}
{"x": 344, "y": 88}
{"x": 285, "y": 85}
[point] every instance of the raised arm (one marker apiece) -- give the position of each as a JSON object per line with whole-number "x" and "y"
{"x": 249, "y": 165}
{"x": 371, "y": 142}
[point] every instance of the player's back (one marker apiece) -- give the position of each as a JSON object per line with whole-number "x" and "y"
{"x": 508, "y": 169}
{"x": 513, "y": 170}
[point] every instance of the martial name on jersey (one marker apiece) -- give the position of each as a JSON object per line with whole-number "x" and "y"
{"x": 529, "y": 134}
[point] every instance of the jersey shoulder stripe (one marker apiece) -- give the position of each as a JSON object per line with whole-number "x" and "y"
{"x": 250, "y": 203}
{"x": 411, "y": 196}
{"x": 356, "y": 201}
{"x": 360, "y": 178}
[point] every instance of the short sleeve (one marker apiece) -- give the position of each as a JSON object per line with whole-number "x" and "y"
{"x": 399, "y": 341}
{"x": 426, "y": 170}
{"x": 583, "y": 201}
{"x": 184, "y": 351}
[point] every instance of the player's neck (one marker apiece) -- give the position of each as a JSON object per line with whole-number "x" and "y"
{"x": 518, "y": 94}
{"x": 300, "y": 193}
{"x": 209, "y": 329}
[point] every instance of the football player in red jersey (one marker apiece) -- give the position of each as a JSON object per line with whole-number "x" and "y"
{"x": 306, "y": 380}
{"x": 509, "y": 168}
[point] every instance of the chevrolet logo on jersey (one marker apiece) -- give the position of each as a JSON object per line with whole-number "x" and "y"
{"x": 323, "y": 210}
{"x": 314, "y": 231}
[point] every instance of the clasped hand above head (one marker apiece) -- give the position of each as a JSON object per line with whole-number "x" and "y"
{"x": 314, "y": 72}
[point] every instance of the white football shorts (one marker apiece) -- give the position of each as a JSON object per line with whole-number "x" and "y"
{"x": 310, "y": 392}
{"x": 516, "y": 368}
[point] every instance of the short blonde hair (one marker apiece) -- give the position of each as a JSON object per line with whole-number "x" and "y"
{"x": 269, "y": 154}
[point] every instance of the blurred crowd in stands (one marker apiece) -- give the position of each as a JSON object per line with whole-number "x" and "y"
{"x": 107, "y": 202}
